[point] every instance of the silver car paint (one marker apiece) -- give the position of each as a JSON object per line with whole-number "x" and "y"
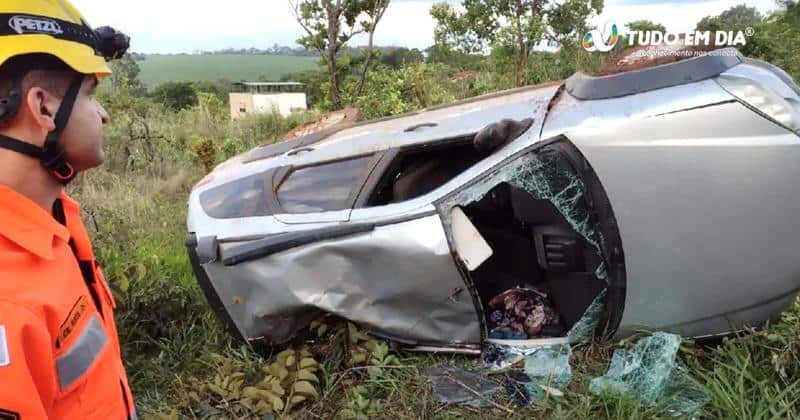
{"x": 399, "y": 279}
{"x": 706, "y": 221}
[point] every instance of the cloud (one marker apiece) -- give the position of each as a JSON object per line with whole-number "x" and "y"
{"x": 164, "y": 26}
{"x": 657, "y": 2}
{"x": 675, "y": 15}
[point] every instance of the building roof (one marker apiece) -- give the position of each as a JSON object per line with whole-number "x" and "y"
{"x": 269, "y": 83}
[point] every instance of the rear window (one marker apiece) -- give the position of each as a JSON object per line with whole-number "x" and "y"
{"x": 325, "y": 187}
{"x": 246, "y": 197}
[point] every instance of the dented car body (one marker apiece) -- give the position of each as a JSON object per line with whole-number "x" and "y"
{"x": 661, "y": 198}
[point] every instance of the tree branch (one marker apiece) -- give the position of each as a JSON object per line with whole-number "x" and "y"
{"x": 296, "y": 10}
{"x": 377, "y": 14}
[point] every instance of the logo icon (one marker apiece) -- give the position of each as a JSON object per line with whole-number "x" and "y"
{"x": 594, "y": 40}
{"x": 28, "y": 24}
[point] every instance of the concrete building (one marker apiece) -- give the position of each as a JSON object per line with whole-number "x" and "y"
{"x": 265, "y": 97}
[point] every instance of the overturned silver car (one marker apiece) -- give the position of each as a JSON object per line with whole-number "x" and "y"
{"x": 661, "y": 198}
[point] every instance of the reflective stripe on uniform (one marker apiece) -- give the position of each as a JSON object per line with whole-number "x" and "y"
{"x": 79, "y": 358}
{"x": 5, "y": 358}
{"x": 133, "y": 416}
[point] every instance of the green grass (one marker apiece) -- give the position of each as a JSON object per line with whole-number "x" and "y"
{"x": 157, "y": 69}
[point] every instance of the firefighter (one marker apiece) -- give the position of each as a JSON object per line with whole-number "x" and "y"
{"x": 59, "y": 350}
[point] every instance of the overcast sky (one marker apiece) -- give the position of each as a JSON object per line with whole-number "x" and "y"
{"x": 171, "y": 26}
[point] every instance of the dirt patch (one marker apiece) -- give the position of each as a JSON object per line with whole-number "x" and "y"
{"x": 347, "y": 116}
{"x": 464, "y": 75}
{"x": 651, "y": 55}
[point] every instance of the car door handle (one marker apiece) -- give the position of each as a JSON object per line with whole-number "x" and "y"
{"x": 417, "y": 126}
{"x": 300, "y": 150}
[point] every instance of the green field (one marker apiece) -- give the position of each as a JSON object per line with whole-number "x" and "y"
{"x": 157, "y": 69}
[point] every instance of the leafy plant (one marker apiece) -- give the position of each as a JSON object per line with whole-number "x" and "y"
{"x": 278, "y": 387}
{"x": 206, "y": 152}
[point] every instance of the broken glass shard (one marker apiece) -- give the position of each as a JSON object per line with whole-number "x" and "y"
{"x": 652, "y": 373}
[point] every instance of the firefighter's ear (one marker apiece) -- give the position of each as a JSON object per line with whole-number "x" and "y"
{"x": 42, "y": 107}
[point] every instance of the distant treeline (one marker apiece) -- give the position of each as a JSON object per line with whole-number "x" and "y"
{"x": 278, "y": 50}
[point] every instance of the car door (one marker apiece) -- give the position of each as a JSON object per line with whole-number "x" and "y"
{"x": 539, "y": 220}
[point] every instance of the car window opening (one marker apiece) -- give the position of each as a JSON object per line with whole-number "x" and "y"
{"x": 544, "y": 275}
{"x": 420, "y": 170}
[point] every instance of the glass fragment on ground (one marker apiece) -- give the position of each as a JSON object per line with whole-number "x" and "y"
{"x": 653, "y": 373}
{"x": 455, "y": 385}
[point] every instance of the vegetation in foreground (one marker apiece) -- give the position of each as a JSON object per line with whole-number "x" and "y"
{"x": 182, "y": 365}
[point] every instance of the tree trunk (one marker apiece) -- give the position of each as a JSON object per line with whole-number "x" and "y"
{"x": 334, "y": 12}
{"x": 524, "y": 58}
{"x": 363, "y": 79}
{"x": 333, "y": 77}
{"x": 520, "y": 61}
{"x": 377, "y": 15}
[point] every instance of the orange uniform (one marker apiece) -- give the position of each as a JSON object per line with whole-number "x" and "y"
{"x": 59, "y": 351}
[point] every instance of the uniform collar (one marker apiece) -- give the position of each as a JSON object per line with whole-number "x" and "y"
{"x": 28, "y": 225}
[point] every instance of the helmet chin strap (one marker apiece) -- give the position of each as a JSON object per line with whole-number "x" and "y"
{"x": 52, "y": 155}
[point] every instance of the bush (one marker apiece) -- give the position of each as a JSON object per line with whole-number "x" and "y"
{"x": 175, "y": 95}
{"x": 382, "y": 96}
{"x": 206, "y": 152}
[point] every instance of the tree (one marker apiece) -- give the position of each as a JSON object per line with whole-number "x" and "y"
{"x": 736, "y": 18}
{"x": 777, "y": 39}
{"x": 454, "y": 57}
{"x": 384, "y": 96}
{"x": 515, "y": 26}
{"x": 400, "y": 56}
{"x": 645, "y": 26}
{"x": 330, "y": 24}
{"x": 176, "y": 95}
{"x": 375, "y": 10}
{"x": 125, "y": 72}
{"x": 221, "y": 88}
{"x": 425, "y": 85}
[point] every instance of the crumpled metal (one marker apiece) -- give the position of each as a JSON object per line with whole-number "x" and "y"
{"x": 521, "y": 313}
{"x": 653, "y": 373}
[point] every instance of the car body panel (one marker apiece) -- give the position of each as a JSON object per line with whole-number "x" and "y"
{"x": 723, "y": 167}
{"x": 398, "y": 279}
{"x": 698, "y": 184}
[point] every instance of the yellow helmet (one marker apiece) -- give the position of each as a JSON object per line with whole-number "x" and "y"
{"x": 51, "y": 27}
